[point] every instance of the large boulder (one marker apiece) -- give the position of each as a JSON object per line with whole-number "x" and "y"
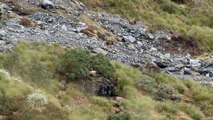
{"x": 47, "y": 4}
{"x": 162, "y": 63}
{"x": 207, "y": 70}
{"x": 101, "y": 87}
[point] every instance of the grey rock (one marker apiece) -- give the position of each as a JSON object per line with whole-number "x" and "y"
{"x": 80, "y": 26}
{"x": 150, "y": 36}
{"x": 167, "y": 55}
{"x": 195, "y": 63}
{"x": 153, "y": 49}
{"x": 188, "y": 56}
{"x": 129, "y": 39}
{"x": 172, "y": 69}
{"x": 47, "y": 4}
{"x": 100, "y": 50}
{"x": 2, "y": 33}
{"x": 187, "y": 71}
{"x": 139, "y": 44}
{"x": 64, "y": 28}
{"x": 162, "y": 35}
{"x": 5, "y": 7}
{"x": 208, "y": 70}
{"x": 2, "y": 42}
{"x": 179, "y": 66}
{"x": 162, "y": 63}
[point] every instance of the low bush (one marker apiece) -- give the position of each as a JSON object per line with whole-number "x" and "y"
{"x": 120, "y": 116}
{"x": 178, "y": 85}
{"x": 167, "y": 107}
{"x": 37, "y": 100}
{"x": 166, "y": 92}
{"x": 76, "y": 63}
{"x": 102, "y": 65}
{"x": 169, "y": 7}
{"x": 147, "y": 84}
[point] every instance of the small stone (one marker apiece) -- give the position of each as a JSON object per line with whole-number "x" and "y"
{"x": 167, "y": 55}
{"x": 139, "y": 44}
{"x": 81, "y": 26}
{"x": 2, "y": 33}
{"x": 93, "y": 73}
{"x": 188, "y": 55}
{"x": 100, "y": 50}
{"x": 172, "y": 69}
{"x": 187, "y": 71}
{"x": 6, "y": 7}
{"x": 195, "y": 63}
{"x": 2, "y": 42}
{"x": 47, "y": 4}
{"x": 150, "y": 36}
{"x": 129, "y": 39}
{"x": 153, "y": 49}
{"x": 179, "y": 66}
{"x": 64, "y": 28}
{"x": 132, "y": 46}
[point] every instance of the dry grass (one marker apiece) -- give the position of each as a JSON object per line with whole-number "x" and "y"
{"x": 100, "y": 32}
{"x": 27, "y": 22}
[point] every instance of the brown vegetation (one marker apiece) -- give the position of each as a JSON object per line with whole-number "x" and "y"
{"x": 26, "y": 22}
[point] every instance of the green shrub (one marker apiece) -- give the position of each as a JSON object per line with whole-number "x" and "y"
{"x": 120, "y": 116}
{"x": 38, "y": 72}
{"x": 126, "y": 76}
{"x": 102, "y": 65}
{"x": 75, "y": 64}
{"x": 162, "y": 78}
{"x": 147, "y": 84}
{"x": 167, "y": 107}
{"x": 169, "y": 7}
{"x": 166, "y": 92}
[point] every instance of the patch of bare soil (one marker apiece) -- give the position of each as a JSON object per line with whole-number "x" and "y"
{"x": 181, "y": 45}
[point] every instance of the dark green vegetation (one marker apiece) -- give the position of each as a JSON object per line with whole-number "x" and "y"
{"x": 193, "y": 18}
{"x": 35, "y": 67}
{"x": 75, "y": 64}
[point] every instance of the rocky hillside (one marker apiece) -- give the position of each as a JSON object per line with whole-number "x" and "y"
{"x": 165, "y": 60}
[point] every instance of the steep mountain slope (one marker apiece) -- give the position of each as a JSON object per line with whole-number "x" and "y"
{"x": 191, "y": 18}
{"x": 54, "y": 61}
{"x": 33, "y": 89}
